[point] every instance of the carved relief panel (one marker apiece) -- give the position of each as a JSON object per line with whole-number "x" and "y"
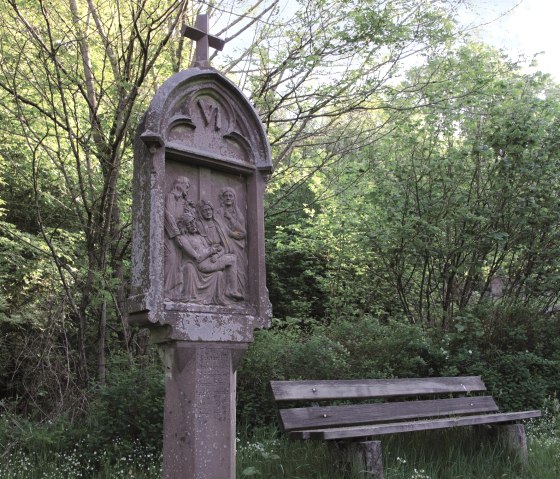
{"x": 205, "y": 242}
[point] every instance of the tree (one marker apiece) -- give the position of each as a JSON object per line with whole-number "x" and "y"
{"x": 461, "y": 190}
{"x": 328, "y": 63}
{"x": 475, "y": 188}
{"x": 74, "y": 78}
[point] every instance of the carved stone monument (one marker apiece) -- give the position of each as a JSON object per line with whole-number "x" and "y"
{"x": 201, "y": 160}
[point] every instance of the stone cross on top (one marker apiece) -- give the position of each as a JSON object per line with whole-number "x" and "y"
{"x": 199, "y": 33}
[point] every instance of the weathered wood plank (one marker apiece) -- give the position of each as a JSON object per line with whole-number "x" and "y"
{"x": 411, "y": 426}
{"x": 356, "y": 414}
{"x": 373, "y": 388}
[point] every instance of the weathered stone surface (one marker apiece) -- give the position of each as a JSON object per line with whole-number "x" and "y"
{"x": 199, "y": 420}
{"x": 200, "y": 146}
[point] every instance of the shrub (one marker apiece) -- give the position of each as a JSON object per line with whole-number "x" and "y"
{"x": 128, "y": 409}
{"x": 281, "y": 355}
{"x": 124, "y": 417}
{"x": 346, "y": 349}
{"x": 29, "y": 435}
{"x": 384, "y": 349}
{"x": 515, "y": 348}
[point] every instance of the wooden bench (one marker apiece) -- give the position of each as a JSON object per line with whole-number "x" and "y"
{"x": 422, "y": 404}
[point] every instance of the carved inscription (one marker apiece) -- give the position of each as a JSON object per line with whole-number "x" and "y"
{"x": 213, "y": 379}
{"x": 210, "y": 113}
{"x": 205, "y": 245}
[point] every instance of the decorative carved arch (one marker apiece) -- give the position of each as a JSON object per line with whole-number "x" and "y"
{"x": 202, "y": 108}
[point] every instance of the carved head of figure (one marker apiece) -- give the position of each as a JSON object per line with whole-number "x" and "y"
{"x": 205, "y": 210}
{"x": 187, "y": 223}
{"x": 227, "y": 197}
{"x": 181, "y": 187}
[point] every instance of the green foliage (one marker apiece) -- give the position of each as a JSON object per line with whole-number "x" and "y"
{"x": 384, "y": 349}
{"x": 345, "y": 349}
{"x": 463, "y": 199}
{"x": 73, "y": 464}
{"x": 439, "y": 454}
{"x": 129, "y": 408}
{"x": 294, "y": 278}
{"x": 122, "y": 427}
{"x": 30, "y": 435}
{"x": 548, "y": 427}
{"x": 419, "y": 222}
{"x": 466, "y": 453}
{"x": 34, "y": 356}
{"x": 26, "y": 273}
{"x": 283, "y": 354}
{"x": 397, "y": 198}
{"x": 514, "y": 349}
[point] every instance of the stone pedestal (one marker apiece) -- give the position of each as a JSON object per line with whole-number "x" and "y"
{"x": 199, "y": 420}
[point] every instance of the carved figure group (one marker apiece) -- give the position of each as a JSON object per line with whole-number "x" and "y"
{"x": 205, "y": 258}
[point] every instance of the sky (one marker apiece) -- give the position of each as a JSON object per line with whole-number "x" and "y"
{"x": 520, "y": 27}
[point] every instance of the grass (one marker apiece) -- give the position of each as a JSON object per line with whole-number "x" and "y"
{"x": 75, "y": 464}
{"x": 459, "y": 454}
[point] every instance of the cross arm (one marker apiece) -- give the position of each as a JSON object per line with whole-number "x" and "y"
{"x": 196, "y": 35}
{"x": 199, "y": 33}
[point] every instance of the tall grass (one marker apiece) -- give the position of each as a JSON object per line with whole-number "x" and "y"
{"x": 458, "y": 454}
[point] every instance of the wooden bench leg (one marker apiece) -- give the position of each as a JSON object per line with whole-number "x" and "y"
{"x": 516, "y": 440}
{"x": 365, "y": 457}
{"x": 372, "y": 457}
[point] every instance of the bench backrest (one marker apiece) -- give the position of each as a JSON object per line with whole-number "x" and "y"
{"x": 373, "y": 388}
{"x": 357, "y": 414}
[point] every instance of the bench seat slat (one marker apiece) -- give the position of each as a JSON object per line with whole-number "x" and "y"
{"x": 356, "y": 414}
{"x": 373, "y": 388}
{"x": 410, "y": 426}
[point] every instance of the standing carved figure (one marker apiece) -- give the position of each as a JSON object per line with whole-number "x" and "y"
{"x": 176, "y": 205}
{"x": 233, "y": 220}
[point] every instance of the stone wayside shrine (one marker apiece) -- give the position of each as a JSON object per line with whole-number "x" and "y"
{"x": 201, "y": 161}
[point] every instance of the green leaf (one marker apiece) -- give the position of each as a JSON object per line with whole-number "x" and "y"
{"x": 250, "y": 471}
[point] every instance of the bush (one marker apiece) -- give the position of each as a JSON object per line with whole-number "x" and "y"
{"x": 384, "y": 349}
{"x": 124, "y": 418}
{"x": 128, "y": 409}
{"x": 282, "y": 355}
{"x": 516, "y": 349}
{"x": 345, "y": 349}
{"x": 28, "y": 435}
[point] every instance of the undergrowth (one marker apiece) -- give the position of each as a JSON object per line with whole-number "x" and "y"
{"x": 459, "y": 454}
